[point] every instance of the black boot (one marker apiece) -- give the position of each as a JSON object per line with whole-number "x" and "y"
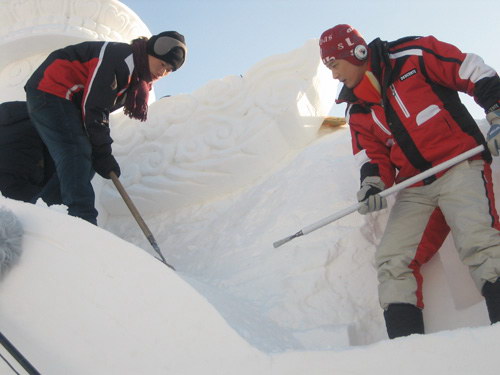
{"x": 491, "y": 293}
{"x": 403, "y": 319}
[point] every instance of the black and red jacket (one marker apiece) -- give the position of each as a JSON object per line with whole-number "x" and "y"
{"x": 419, "y": 121}
{"x": 94, "y": 76}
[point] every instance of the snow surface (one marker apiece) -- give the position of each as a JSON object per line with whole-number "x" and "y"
{"x": 83, "y": 301}
{"x": 219, "y": 175}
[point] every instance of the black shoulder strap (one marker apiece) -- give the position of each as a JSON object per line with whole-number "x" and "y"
{"x": 399, "y": 41}
{"x": 398, "y": 130}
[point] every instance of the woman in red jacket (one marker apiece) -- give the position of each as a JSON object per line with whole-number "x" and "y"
{"x": 71, "y": 95}
{"x": 405, "y": 117}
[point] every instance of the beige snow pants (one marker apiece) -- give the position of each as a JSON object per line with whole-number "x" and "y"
{"x": 465, "y": 196}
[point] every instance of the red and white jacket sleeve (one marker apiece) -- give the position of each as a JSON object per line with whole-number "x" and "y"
{"x": 445, "y": 64}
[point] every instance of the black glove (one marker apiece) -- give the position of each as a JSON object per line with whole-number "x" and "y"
{"x": 368, "y": 194}
{"x": 104, "y": 164}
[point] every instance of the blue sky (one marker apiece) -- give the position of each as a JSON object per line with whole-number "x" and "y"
{"x": 227, "y": 37}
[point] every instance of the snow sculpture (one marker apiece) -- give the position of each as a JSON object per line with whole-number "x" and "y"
{"x": 218, "y": 150}
{"x": 30, "y": 29}
{"x": 224, "y": 137}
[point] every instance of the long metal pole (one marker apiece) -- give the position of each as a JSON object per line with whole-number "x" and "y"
{"x": 18, "y": 356}
{"x": 137, "y": 216}
{"x": 429, "y": 172}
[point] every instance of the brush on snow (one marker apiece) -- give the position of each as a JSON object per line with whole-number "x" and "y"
{"x": 137, "y": 216}
{"x": 11, "y": 234}
{"x": 419, "y": 177}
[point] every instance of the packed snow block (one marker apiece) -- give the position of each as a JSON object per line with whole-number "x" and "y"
{"x": 325, "y": 337}
{"x": 83, "y": 301}
{"x": 192, "y": 148}
{"x": 459, "y": 352}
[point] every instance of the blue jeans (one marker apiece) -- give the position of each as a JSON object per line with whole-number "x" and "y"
{"x": 59, "y": 123}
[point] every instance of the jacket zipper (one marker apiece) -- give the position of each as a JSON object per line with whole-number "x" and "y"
{"x": 400, "y": 102}
{"x": 379, "y": 123}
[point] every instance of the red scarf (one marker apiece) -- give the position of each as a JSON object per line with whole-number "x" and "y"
{"x": 136, "y": 102}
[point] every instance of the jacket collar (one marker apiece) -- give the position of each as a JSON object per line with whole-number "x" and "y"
{"x": 377, "y": 52}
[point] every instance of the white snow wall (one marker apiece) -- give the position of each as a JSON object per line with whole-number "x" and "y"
{"x": 31, "y": 29}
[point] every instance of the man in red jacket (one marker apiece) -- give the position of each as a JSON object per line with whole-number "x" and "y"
{"x": 405, "y": 117}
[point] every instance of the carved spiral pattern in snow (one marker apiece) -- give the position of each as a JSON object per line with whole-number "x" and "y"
{"x": 223, "y": 137}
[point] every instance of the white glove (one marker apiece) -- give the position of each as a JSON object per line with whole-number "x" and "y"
{"x": 493, "y": 136}
{"x": 368, "y": 194}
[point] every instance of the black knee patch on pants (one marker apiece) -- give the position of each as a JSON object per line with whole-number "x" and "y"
{"x": 491, "y": 293}
{"x": 403, "y": 319}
